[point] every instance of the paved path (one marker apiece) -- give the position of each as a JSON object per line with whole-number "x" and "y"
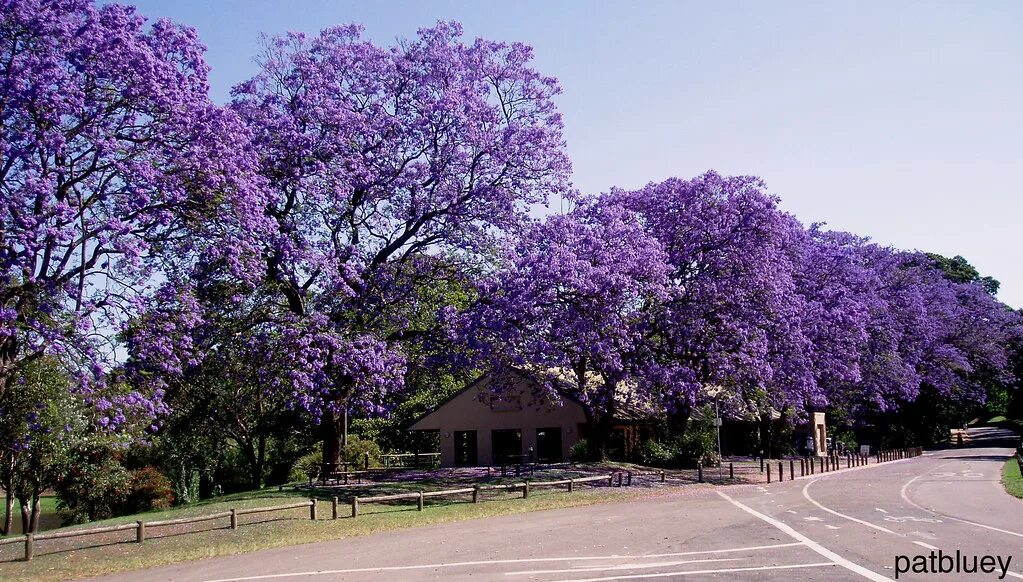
{"x": 849, "y": 525}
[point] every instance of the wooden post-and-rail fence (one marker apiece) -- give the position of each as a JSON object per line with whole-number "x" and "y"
{"x": 142, "y": 527}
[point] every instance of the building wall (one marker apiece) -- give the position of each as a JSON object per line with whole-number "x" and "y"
{"x": 483, "y": 408}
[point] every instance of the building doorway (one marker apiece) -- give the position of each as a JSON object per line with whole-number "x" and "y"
{"x": 466, "y": 452}
{"x": 548, "y": 445}
{"x": 507, "y": 446}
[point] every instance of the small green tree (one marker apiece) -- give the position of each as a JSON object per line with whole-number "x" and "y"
{"x": 40, "y": 426}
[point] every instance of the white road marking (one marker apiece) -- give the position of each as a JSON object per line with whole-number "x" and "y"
{"x": 692, "y": 572}
{"x": 838, "y": 560}
{"x": 928, "y": 546}
{"x": 508, "y": 561}
{"x": 620, "y": 567}
{"x": 1013, "y": 574}
{"x": 905, "y": 497}
{"x": 806, "y": 494}
{"x": 879, "y": 509}
{"x": 811, "y": 518}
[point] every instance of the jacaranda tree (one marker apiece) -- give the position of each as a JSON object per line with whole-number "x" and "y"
{"x": 388, "y": 167}
{"x": 113, "y": 162}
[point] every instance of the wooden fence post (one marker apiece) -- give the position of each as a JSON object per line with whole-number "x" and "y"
{"x": 421, "y": 501}
{"x": 628, "y": 480}
{"x": 333, "y": 507}
{"x": 234, "y": 518}
{"x": 731, "y": 471}
{"x": 355, "y": 507}
{"x": 662, "y": 476}
{"x": 768, "y": 473}
{"x": 610, "y": 479}
{"x": 525, "y": 489}
{"x": 571, "y": 485}
{"x": 312, "y": 509}
{"x": 619, "y": 478}
{"x": 475, "y": 493}
{"x": 29, "y": 546}
{"x": 140, "y": 531}
{"x": 699, "y": 472}
{"x": 792, "y": 470}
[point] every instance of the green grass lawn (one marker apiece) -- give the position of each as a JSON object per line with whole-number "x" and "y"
{"x": 67, "y": 559}
{"x": 1012, "y": 479}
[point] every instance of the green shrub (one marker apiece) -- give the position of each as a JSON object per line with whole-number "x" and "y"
{"x": 96, "y": 488}
{"x": 656, "y": 454}
{"x": 580, "y": 451}
{"x": 354, "y": 454}
{"x": 305, "y": 467}
{"x": 356, "y": 450}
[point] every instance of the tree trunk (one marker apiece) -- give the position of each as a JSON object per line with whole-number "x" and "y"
{"x": 331, "y": 442}
{"x": 26, "y": 518}
{"x": 8, "y": 513}
{"x": 766, "y": 427}
{"x": 260, "y": 460}
{"x": 36, "y": 510}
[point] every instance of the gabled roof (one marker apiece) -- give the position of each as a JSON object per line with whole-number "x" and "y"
{"x": 628, "y": 406}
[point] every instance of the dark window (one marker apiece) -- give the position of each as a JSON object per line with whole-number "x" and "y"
{"x": 465, "y": 448}
{"x": 548, "y": 445}
{"x": 507, "y": 446}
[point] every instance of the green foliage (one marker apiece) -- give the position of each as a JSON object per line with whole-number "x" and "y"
{"x": 656, "y": 454}
{"x": 580, "y": 451}
{"x": 97, "y": 487}
{"x": 356, "y": 450}
{"x": 305, "y": 467}
{"x": 960, "y": 270}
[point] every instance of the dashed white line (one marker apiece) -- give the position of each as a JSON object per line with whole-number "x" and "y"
{"x": 695, "y": 572}
{"x": 839, "y": 560}
{"x": 928, "y": 546}
{"x": 632, "y": 566}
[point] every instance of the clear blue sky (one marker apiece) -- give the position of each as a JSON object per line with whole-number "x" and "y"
{"x": 898, "y": 120}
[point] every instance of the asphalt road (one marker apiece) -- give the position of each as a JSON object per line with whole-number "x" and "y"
{"x": 849, "y": 525}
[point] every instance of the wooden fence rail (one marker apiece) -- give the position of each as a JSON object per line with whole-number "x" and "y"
{"x": 140, "y": 526}
{"x": 524, "y": 486}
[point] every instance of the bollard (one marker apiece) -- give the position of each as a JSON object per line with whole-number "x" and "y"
{"x": 234, "y": 518}
{"x": 662, "y": 476}
{"x": 29, "y": 546}
{"x": 822, "y": 464}
{"x": 333, "y": 507}
{"x": 571, "y": 485}
{"x": 355, "y": 507}
{"x": 476, "y": 493}
{"x": 312, "y": 509}
{"x": 768, "y": 473}
{"x": 731, "y": 471}
{"x": 525, "y": 489}
{"x": 699, "y": 472}
{"x": 421, "y": 498}
{"x": 781, "y": 471}
{"x": 140, "y": 532}
{"x": 792, "y": 470}
{"x": 802, "y": 467}
{"x": 761, "y": 463}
